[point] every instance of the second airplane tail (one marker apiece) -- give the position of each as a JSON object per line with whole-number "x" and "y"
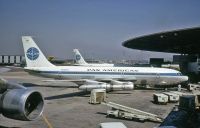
{"x": 78, "y": 57}
{"x": 33, "y": 55}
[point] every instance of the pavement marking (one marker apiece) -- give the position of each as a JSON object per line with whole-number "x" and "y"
{"x": 46, "y": 121}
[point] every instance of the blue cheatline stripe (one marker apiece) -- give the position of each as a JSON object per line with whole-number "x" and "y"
{"x": 109, "y": 73}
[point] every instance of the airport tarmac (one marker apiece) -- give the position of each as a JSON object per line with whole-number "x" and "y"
{"x": 68, "y": 107}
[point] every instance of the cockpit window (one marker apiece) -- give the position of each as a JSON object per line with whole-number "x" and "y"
{"x": 179, "y": 74}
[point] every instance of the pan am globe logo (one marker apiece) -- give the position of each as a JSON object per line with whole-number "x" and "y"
{"x": 78, "y": 57}
{"x": 32, "y": 53}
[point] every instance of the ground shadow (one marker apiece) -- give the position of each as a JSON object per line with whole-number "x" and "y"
{"x": 51, "y": 86}
{"x": 119, "y": 92}
{"x": 133, "y": 119}
{"x": 7, "y": 127}
{"x": 101, "y": 113}
{"x": 80, "y": 94}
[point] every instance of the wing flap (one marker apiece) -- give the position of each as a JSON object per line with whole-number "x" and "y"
{"x": 78, "y": 81}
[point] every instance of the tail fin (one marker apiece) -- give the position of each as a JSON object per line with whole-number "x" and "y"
{"x": 78, "y": 57}
{"x": 34, "y": 56}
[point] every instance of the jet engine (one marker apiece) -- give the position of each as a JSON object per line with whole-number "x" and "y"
{"x": 20, "y": 103}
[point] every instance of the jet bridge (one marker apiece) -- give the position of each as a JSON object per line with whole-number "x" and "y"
{"x": 120, "y": 111}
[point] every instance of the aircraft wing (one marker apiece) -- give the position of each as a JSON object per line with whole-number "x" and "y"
{"x": 107, "y": 84}
{"x": 76, "y": 81}
{"x": 83, "y": 81}
{"x": 132, "y": 79}
{"x": 80, "y": 81}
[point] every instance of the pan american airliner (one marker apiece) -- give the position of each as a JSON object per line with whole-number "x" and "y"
{"x": 91, "y": 77}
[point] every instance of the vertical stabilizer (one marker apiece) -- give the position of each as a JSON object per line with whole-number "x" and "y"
{"x": 34, "y": 56}
{"x": 78, "y": 57}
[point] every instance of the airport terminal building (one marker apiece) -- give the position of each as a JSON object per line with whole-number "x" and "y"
{"x": 11, "y": 59}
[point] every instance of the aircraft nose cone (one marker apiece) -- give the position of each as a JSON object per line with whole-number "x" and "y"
{"x": 185, "y": 78}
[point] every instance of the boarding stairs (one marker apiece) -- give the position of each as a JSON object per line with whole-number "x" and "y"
{"x": 122, "y": 111}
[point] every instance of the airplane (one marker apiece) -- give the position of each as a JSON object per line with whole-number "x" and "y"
{"x": 20, "y": 103}
{"x": 80, "y": 61}
{"x": 90, "y": 77}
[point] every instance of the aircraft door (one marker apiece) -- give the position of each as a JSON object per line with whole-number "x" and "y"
{"x": 122, "y": 74}
{"x": 157, "y": 78}
{"x": 59, "y": 75}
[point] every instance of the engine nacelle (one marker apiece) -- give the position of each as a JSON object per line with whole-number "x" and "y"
{"x": 123, "y": 87}
{"x": 119, "y": 85}
{"x": 90, "y": 87}
{"x": 108, "y": 87}
{"x": 116, "y": 82}
{"x": 22, "y": 104}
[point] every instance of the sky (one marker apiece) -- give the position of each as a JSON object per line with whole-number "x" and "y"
{"x": 96, "y": 27}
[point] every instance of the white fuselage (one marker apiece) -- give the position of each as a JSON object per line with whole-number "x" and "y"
{"x": 95, "y": 65}
{"x": 140, "y": 75}
{"x": 38, "y": 64}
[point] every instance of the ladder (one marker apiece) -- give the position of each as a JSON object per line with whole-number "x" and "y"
{"x": 128, "y": 112}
